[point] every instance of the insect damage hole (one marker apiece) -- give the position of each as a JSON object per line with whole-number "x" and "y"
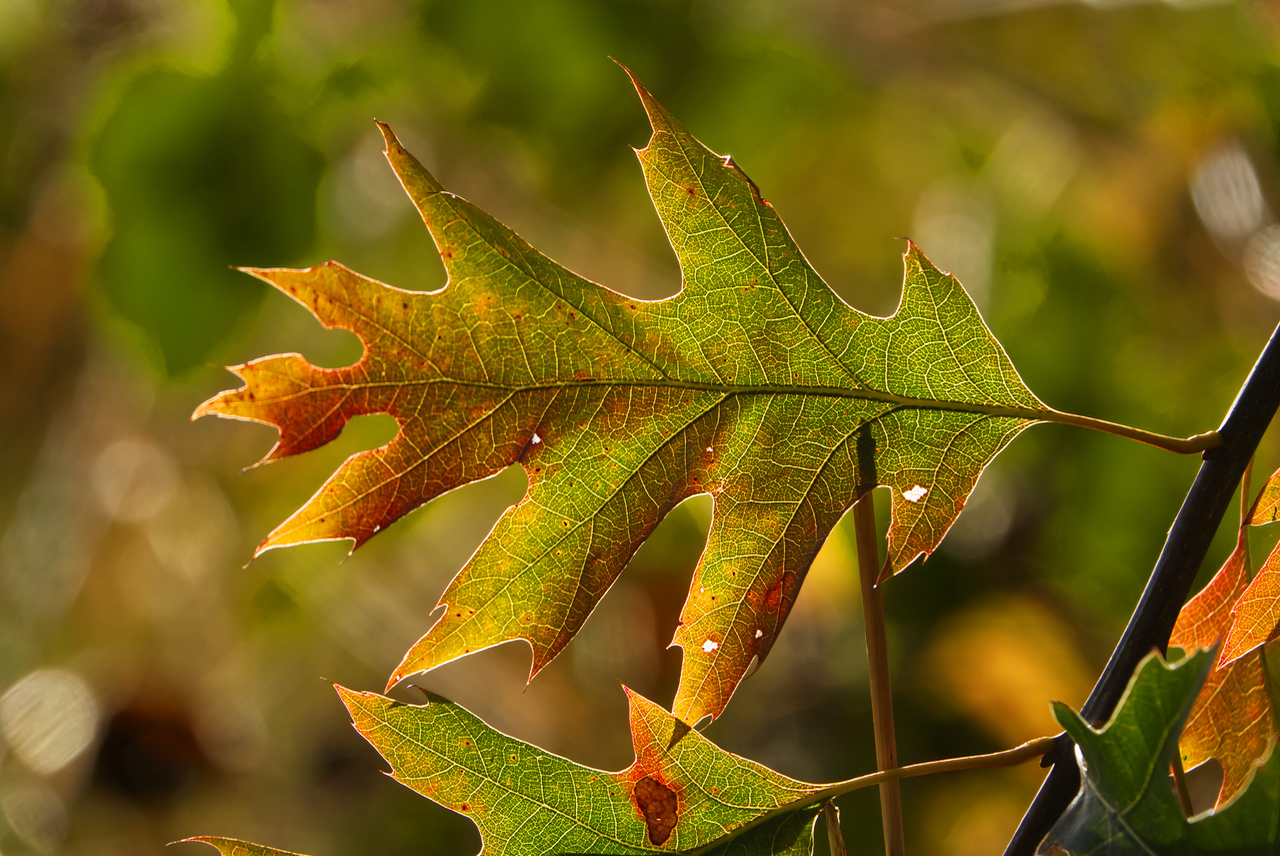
{"x": 915, "y": 494}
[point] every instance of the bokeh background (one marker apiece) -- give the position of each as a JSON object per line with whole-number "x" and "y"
{"x": 1100, "y": 175}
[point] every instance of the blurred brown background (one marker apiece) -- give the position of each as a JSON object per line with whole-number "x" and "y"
{"x": 1100, "y": 176}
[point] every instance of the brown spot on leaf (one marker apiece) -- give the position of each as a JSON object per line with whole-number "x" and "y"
{"x": 658, "y": 804}
{"x": 781, "y": 590}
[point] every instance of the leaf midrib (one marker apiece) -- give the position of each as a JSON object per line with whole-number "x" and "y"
{"x": 899, "y": 401}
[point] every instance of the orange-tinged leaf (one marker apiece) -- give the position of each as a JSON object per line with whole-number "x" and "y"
{"x": 756, "y": 384}
{"x": 1231, "y": 719}
{"x": 1256, "y": 612}
{"x": 1266, "y": 508}
{"x": 1205, "y": 618}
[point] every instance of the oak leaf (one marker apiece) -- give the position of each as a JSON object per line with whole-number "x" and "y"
{"x": 679, "y": 795}
{"x": 755, "y": 384}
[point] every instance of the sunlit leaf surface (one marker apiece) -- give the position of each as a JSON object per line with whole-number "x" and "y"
{"x": 684, "y": 796}
{"x": 1232, "y": 718}
{"x": 1256, "y": 612}
{"x": 756, "y": 384}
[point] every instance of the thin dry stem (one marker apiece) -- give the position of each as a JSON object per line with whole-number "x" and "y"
{"x": 864, "y": 520}
{"x": 1180, "y": 784}
{"x": 1028, "y": 751}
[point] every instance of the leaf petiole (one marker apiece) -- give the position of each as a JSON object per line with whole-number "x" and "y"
{"x": 1181, "y": 445}
{"x": 1029, "y": 751}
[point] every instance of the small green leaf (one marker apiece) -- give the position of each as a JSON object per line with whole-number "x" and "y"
{"x": 1126, "y": 802}
{"x": 688, "y": 796}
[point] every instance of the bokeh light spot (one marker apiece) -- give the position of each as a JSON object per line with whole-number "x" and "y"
{"x": 133, "y": 480}
{"x": 49, "y": 718}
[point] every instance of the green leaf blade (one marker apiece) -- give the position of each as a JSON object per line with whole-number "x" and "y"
{"x": 525, "y": 800}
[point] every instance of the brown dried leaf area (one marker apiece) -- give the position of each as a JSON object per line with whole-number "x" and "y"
{"x": 660, "y": 808}
{"x": 1233, "y": 719}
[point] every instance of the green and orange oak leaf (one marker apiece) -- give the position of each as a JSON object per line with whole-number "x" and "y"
{"x": 678, "y": 796}
{"x": 755, "y": 384}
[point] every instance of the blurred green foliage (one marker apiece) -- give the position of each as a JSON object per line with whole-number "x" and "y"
{"x": 198, "y": 172}
{"x": 1101, "y": 176}
{"x": 201, "y": 173}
